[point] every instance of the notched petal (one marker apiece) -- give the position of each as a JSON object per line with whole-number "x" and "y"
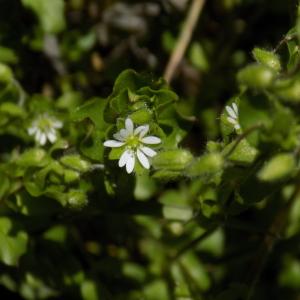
{"x": 141, "y": 130}
{"x": 148, "y": 151}
{"x": 51, "y": 136}
{"x": 152, "y": 140}
{"x": 130, "y": 163}
{"x": 113, "y": 144}
{"x": 123, "y": 159}
{"x": 43, "y": 139}
{"x": 32, "y": 130}
{"x": 230, "y": 111}
{"x": 143, "y": 159}
{"x": 129, "y": 125}
{"x": 119, "y": 137}
{"x": 235, "y": 108}
{"x": 231, "y": 120}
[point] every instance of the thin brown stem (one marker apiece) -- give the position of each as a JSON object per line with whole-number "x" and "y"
{"x": 184, "y": 38}
{"x": 269, "y": 240}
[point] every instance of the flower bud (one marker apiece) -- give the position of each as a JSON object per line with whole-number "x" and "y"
{"x": 267, "y": 58}
{"x": 256, "y": 76}
{"x": 141, "y": 116}
{"x": 6, "y": 74}
{"x": 174, "y": 160}
{"x": 206, "y": 165}
{"x": 77, "y": 199}
{"x": 166, "y": 175}
{"x": 179, "y": 213}
{"x": 288, "y": 89}
{"x": 71, "y": 176}
{"x": 278, "y": 167}
{"x": 33, "y": 157}
{"x": 75, "y": 162}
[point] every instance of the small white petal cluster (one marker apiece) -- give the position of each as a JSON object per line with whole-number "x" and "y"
{"x": 44, "y": 128}
{"x": 134, "y": 141}
{"x": 233, "y": 117}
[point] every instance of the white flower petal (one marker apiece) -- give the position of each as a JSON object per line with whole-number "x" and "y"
{"x": 43, "y": 139}
{"x": 235, "y": 108}
{"x": 151, "y": 140}
{"x": 231, "y": 112}
{"x": 113, "y": 144}
{"x": 124, "y": 133}
{"x": 118, "y": 137}
{"x": 141, "y": 130}
{"x": 38, "y": 135}
{"x": 51, "y": 135}
{"x": 237, "y": 126}
{"x": 143, "y": 159}
{"x": 232, "y": 121}
{"x": 124, "y": 157}
{"x": 32, "y": 130}
{"x": 130, "y": 163}
{"x": 129, "y": 125}
{"x": 148, "y": 151}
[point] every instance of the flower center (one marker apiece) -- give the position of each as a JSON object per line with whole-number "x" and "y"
{"x": 132, "y": 142}
{"x": 44, "y": 124}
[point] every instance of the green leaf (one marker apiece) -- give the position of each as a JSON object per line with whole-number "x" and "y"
{"x": 254, "y": 110}
{"x": 256, "y": 76}
{"x": 182, "y": 290}
{"x": 268, "y": 58}
{"x": 77, "y": 199}
{"x": 176, "y": 206}
{"x": 4, "y": 185}
{"x": 278, "y": 167}
{"x": 33, "y": 158}
{"x": 57, "y": 233}
{"x": 50, "y": 14}
{"x": 12, "y": 109}
{"x": 145, "y": 187}
{"x": 92, "y": 145}
{"x": 8, "y": 55}
{"x": 198, "y": 57}
{"x": 128, "y": 80}
{"x": 6, "y": 74}
{"x": 13, "y": 242}
{"x": 173, "y": 160}
{"x": 290, "y": 274}
{"x": 288, "y": 90}
{"x": 89, "y": 290}
{"x": 195, "y": 271}
{"x": 243, "y": 153}
{"x": 75, "y": 162}
{"x": 207, "y": 164}
{"x": 156, "y": 290}
{"x": 93, "y": 110}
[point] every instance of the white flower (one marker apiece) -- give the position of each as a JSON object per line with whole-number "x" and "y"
{"x": 233, "y": 117}
{"x": 134, "y": 142}
{"x": 44, "y": 128}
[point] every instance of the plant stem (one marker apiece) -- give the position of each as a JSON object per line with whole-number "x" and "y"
{"x": 195, "y": 242}
{"x": 241, "y": 137}
{"x": 184, "y": 38}
{"x": 269, "y": 240}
